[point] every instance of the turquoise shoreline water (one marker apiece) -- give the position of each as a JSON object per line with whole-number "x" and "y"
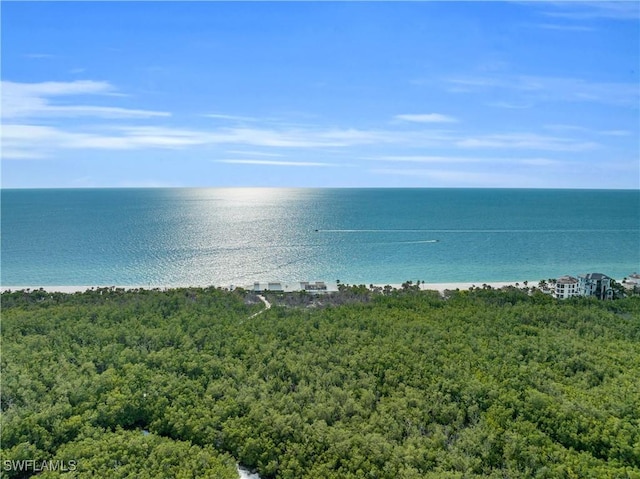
{"x": 223, "y": 236}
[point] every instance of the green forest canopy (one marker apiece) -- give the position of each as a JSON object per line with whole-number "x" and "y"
{"x": 400, "y": 384}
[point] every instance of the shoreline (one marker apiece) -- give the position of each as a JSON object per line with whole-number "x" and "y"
{"x": 331, "y": 287}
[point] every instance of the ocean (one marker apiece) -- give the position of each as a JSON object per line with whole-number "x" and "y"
{"x": 235, "y": 236}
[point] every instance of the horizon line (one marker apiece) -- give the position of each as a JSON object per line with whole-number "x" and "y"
{"x": 141, "y": 187}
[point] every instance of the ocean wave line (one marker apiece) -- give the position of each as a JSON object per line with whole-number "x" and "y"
{"x": 629, "y": 230}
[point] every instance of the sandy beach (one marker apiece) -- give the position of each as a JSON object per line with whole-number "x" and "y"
{"x": 330, "y": 286}
{"x": 441, "y": 287}
{"x": 494, "y": 284}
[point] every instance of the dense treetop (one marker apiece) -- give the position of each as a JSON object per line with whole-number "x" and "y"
{"x": 362, "y": 384}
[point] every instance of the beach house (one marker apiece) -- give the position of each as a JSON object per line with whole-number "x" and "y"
{"x": 566, "y": 287}
{"x": 272, "y": 286}
{"x": 595, "y": 284}
{"x": 633, "y": 280}
{"x": 318, "y": 286}
{"x": 278, "y": 287}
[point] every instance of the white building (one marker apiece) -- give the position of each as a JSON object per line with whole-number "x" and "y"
{"x": 317, "y": 286}
{"x": 595, "y": 284}
{"x": 566, "y": 287}
{"x": 278, "y": 287}
{"x": 271, "y": 286}
{"x": 633, "y": 280}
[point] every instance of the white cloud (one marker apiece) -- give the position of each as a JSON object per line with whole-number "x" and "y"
{"x": 309, "y": 137}
{"x": 162, "y": 137}
{"x": 510, "y": 105}
{"x": 17, "y": 154}
{"x": 275, "y": 163}
{"x": 96, "y": 111}
{"x": 589, "y": 10}
{"x": 527, "y": 141}
{"x": 426, "y": 159}
{"x": 440, "y": 177}
{"x": 272, "y": 138}
{"x": 39, "y": 56}
{"x": 466, "y": 159}
{"x": 541, "y": 89}
{"x": 34, "y": 100}
{"x": 219, "y": 116}
{"x": 35, "y": 141}
{"x": 426, "y": 118}
{"x": 466, "y": 84}
{"x": 253, "y": 153}
{"x": 564, "y": 27}
{"x": 26, "y": 140}
{"x": 51, "y": 88}
{"x": 565, "y": 128}
{"x": 538, "y": 162}
{"x": 21, "y": 139}
{"x": 587, "y": 131}
{"x": 616, "y": 133}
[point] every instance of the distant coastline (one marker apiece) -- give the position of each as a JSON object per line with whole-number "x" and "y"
{"x": 441, "y": 287}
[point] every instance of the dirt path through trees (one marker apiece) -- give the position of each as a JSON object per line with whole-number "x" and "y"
{"x": 267, "y": 305}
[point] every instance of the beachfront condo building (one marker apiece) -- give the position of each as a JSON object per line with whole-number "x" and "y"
{"x": 566, "y": 287}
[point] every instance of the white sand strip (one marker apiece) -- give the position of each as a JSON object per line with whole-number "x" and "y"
{"x": 69, "y": 289}
{"x": 330, "y": 287}
{"x": 50, "y": 289}
{"x": 462, "y": 286}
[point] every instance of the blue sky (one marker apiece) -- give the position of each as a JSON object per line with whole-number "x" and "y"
{"x": 344, "y": 94}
